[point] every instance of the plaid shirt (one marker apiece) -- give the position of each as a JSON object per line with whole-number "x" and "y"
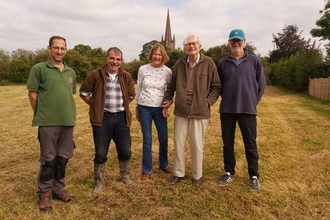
{"x": 113, "y": 97}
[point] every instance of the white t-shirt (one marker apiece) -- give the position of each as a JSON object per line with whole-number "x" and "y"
{"x": 151, "y": 85}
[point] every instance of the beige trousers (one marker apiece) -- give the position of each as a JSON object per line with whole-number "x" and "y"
{"x": 194, "y": 130}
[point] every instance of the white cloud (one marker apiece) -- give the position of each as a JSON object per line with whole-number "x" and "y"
{"x": 128, "y": 24}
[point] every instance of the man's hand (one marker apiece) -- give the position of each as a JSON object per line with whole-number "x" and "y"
{"x": 167, "y": 104}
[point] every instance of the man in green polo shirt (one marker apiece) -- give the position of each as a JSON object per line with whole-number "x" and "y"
{"x": 51, "y": 86}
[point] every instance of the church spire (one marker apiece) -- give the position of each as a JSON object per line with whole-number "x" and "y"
{"x": 169, "y": 41}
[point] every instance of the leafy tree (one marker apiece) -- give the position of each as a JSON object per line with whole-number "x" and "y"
{"x": 324, "y": 26}
{"x": 4, "y": 64}
{"x": 96, "y": 57}
{"x": 266, "y": 66}
{"x": 82, "y": 49}
{"x": 145, "y": 49}
{"x": 287, "y": 43}
{"x": 20, "y": 65}
{"x": 319, "y": 71}
{"x": 293, "y": 72}
{"x": 133, "y": 67}
{"x": 250, "y": 47}
{"x": 218, "y": 52}
{"x": 174, "y": 56}
{"x": 79, "y": 63}
{"x": 40, "y": 55}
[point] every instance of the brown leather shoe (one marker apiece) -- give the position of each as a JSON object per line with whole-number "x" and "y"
{"x": 145, "y": 176}
{"x": 197, "y": 182}
{"x": 166, "y": 170}
{"x": 174, "y": 180}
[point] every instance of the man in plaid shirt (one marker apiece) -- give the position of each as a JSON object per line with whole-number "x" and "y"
{"x": 108, "y": 91}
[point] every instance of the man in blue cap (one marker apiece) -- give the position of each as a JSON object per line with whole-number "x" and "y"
{"x": 243, "y": 84}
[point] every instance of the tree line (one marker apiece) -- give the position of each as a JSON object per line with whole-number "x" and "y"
{"x": 289, "y": 65}
{"x": 15, "y": 67}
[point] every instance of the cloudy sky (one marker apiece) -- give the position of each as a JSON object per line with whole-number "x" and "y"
{"x": 128, "y": 24}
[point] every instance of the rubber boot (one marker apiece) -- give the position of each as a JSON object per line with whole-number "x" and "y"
{"x": 98, "y": 177}
{"x": 124, "y": 172}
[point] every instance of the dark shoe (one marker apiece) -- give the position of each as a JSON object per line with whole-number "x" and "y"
{"x": 226, "y": 179}
{"x": 63, "y": 195}
{"x": 174, "y": 180}
{"x": 45, "y": 202}
{"x": 167, "y": 170}
{"x": 255, "y": 183}
{"x": 145, "y": 176}
{"x": 197, "y": 182}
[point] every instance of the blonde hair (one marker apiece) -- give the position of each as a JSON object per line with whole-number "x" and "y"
{"x": 161, "y": 48}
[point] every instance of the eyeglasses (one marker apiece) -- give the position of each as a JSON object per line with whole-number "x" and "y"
{"x": 59, "y": 48}
{"x": 193, "y": 44}
{"x": 235, "y": 40}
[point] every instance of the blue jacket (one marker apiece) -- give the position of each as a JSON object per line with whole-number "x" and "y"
{"x": 242, "y": 85}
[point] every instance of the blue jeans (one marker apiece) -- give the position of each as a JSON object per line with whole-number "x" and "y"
{"x": 146, "y": 115}
{"x": 113, "y": 127}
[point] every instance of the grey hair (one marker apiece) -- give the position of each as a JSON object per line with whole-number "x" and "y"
{"x": 196, "y": 38}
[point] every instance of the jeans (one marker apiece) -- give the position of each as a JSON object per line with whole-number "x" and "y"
{"x": 146, "y": 115}
{"x": 248, "y": 127}
{"x": 113, "y": 127}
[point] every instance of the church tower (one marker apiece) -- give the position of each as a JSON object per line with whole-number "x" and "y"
{"x": 168, "y": 41}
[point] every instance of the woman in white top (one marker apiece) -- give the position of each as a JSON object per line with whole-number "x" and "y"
{"x": 151, "y": 85}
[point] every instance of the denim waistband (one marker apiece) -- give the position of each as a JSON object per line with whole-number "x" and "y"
{"x": 106, "y": 112}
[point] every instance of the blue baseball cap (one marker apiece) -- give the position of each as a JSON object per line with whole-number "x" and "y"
{"x": 237, "y": 34}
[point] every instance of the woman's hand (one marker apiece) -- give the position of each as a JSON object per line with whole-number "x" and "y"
{"x": 165, "y": 113}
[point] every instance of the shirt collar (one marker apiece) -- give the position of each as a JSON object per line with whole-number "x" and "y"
{"x": 244, "y": 55}
{"x": 110, "y": 74}
{"x": 197, "y": 60}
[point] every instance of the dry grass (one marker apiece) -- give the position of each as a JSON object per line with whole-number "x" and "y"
{"x": 293, "y": 140}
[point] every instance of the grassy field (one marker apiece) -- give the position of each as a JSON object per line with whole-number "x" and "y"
{"x": 293, "y": 141}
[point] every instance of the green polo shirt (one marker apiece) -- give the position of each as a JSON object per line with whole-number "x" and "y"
{"x": 55, "y": 104}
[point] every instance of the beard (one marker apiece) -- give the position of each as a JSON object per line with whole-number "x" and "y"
{"x": 237, "y": 49}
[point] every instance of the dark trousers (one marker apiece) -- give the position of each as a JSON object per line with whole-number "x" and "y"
{"x": 248, "y": 127}
{"x": 113, "y": 127}
{"x": 56, "y": 148}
